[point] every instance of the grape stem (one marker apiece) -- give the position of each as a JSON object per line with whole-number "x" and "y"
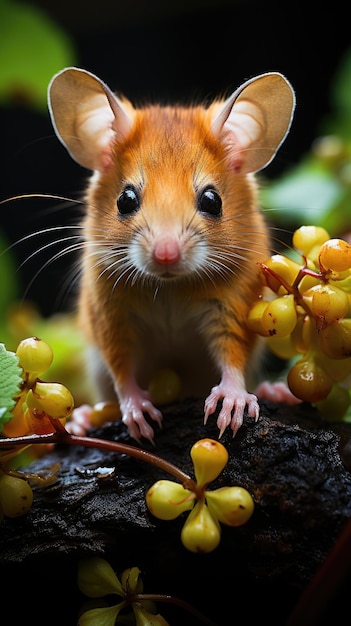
{"x": 294, "y": 288}
{"x": 61, "y": 436}
{"x": 157, "y": 597}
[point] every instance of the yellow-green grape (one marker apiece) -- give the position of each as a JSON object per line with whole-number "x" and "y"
{"x": 301, "y": 335}
{"x": 285, "y": 268}
{"x": 167, "y": 499}
{"x": 335, "y": 405}
{"x": 342, "y": 280}
{"x": 327, "y": 304}
{"x": 165, "y": 387}
{"x": 254, "y": 320}
{"x": 335, "y": 339}
{"x": 308, "y": 381}
{"x": 335, "y": 255}
{"x": 209, "y": 458}
{"x": 16, "y": 495}
{"x": 232, "y": 506}
{"x": 201, "y": 532}
{"x": 307, "y": 281}
{"x": 308, "y": 237}
{"x": 282, "y": 347}
{"x": 54, "y": 399}
{"x": 338, "y": 369}
{"x": 103, "y": 412}
{"x": 35, "y": 355}
{"x": 280, "y": 316}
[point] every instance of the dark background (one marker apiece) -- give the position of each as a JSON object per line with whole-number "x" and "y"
{"x": 177, "y": 50}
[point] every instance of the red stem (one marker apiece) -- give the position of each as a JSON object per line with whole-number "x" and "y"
{"x": 63, "y": 437}
{"x": 172, "y": 600}
{"x": 325, "y": 583}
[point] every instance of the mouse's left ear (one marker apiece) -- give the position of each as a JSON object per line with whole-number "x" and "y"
{"x": 254, "y": 121}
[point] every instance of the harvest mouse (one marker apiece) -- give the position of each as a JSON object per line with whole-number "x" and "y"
{"x": 171, "y": 238}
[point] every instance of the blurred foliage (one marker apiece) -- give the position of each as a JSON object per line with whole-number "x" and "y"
{"x": 23, "y": 319}
{"x": 318, "y": 189}
{"x": 32, "y": 49}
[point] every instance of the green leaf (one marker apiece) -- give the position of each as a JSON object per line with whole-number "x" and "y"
{"x": 96, "y": 578}
{"x": 32, "y": 49}
{"x": 105, "y": 616}
{"x": 144, "y": 618}
{"x": 305, "y": 195}
{"x": 10, "y": 383}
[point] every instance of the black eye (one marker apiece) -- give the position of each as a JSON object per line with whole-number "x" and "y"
{"x": 210, "y": 202}
{"x": 128, "y": 201}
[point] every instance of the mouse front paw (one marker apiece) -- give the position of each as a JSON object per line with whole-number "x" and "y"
{"x": 234, "y": 398}
{"x": 80, "y": 421}
{"x": 276, "y": 392}
{"x": 133, "y": 409}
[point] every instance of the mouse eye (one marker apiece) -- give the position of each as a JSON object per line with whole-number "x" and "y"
{"x": 210, "y": 202}
{"x": 128, "y": 201}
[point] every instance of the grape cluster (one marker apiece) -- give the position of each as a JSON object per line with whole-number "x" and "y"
{"x": 39, "y": 403}
{"x": 38, "y": 409}
{"x": 308, "y": 317}
{"x": 232, "y": 506}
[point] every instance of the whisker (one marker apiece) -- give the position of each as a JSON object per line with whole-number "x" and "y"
{"x": 50, "y": 245}
{"x": 38, "y": 233}
{"x": 46, "y": 196}
{"x": 58, "y": 255}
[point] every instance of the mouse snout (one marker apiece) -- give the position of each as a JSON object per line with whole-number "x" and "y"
{"x": 166, "y": 250}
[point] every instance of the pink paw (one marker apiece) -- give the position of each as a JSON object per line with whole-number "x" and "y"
{"x": 234, "y": 398}
{"x": 276, "y": 392}
{"x": 133, "y": 408}
{"x": 80, "y": 421}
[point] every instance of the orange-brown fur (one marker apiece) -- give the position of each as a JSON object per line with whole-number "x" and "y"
{"x": 171, "y": 151}
{"x": 172, "y": 237}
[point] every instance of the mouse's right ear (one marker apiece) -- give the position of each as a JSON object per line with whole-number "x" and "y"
{"x": 87, "y": 116}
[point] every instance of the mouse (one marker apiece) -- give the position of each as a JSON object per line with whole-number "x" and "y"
{"x": 172, "y": 236}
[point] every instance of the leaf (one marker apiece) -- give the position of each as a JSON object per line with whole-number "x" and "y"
{"x": 10, "y": 383}
{"x": 96, "y": 578}
{"x": 32, "y": 49}
{"x": 105, "y": 616}
{"x": 144, "y": 618}
{"x": 305, "y": 195}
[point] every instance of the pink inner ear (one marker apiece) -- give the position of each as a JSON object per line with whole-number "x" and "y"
{"x": 241, "y": 128}
{"x": 237, "y": 162}
{"x": 106, "y": 159}
{"x": 233, "y": 150}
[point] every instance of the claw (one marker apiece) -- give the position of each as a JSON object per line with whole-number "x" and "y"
{"x": 133, "y": 407}
{"x": 231, "y": 391}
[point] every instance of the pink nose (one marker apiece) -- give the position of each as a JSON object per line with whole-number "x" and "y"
{"x": 166, "y": 251}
